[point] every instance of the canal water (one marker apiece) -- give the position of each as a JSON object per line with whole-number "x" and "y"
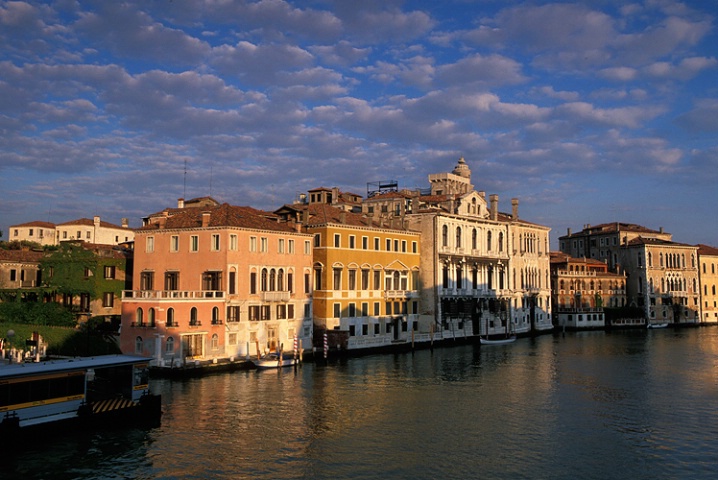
{"x": 633, "y": 405}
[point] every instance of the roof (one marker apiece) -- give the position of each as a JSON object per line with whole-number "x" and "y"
{"x": 615, "y": 227}
{"x": 36, "y": 223}
{"x": 224, "y": 215}
{"x": 79, "y": 364}
{"x": 560, "y": 257}
{"x": 707, "y": 250}
{"x": 91, "y": 223}
{"x": 24, "y": 256}
{"x": 656, "y": 241}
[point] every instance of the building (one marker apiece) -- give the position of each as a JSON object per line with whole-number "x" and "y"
{"x": 217, "y": 282}
{"x": 484, "y": 272}
{"x": 20, "y": 269}
{"x": 94, "y": 231}
{"x": 708, "y": 275}
{"x": 38, "y": 232}
{"x": 366, "y": 289}
{"x": 582, "y": 288}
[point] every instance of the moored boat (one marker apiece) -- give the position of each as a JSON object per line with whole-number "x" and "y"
{"x": 274, "y": 360}
{"x": 657, "y": 325}
{"x": 85, "y": 392}
{"x": 498, "y": 341}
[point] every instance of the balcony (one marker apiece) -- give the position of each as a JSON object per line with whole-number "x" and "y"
{"x": 275, "y": 296}
{"x": 399, "y": 294}
{"x": 171, "y": 294}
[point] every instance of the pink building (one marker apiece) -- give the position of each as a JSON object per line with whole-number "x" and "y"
{"x": 214, "y": 282}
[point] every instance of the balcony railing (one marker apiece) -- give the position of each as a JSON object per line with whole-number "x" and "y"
{"x": 275, "y": 296}
{"x": 400, "y": 294}
{"x": 171, "y": 294}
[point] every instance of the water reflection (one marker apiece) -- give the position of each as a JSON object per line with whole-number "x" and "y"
{"x": 590, "y": 405}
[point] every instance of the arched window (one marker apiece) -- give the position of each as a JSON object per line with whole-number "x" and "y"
{"x": 458, "y": 237}
{"x": 501, "y": 242}
{"x": 138, "y": 345}
{"x": 272, "y": 280}
{"x": 444, "y": 236}
{"x": 459, "y": 275}
{"x": 445, "y": 277}
{"x": 170, "y": 317}
{"x": 215, "y": 316}
{"x": 215, "y": 342}
{"x": 151, "y": 317}
{"x": 473, "y": 239}
{"x": 488, "y": 241}
{"x": 170, "y": 345}
{"x": 264, "y": 280}
{"x": 280, "y": 280}
{"x": 397, "y": 284}
{"x": 193, "y": 317}
{"x": 139, "y": 317}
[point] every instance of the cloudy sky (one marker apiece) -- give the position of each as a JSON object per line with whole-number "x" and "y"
{"x": 588, "y": 112}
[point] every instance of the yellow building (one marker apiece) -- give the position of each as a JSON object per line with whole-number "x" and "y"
{"x": 708, "y": 274}
{"x": 366, "y": 291}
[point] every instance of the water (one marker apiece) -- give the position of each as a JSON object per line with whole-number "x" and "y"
{"x": 634, "y": 405}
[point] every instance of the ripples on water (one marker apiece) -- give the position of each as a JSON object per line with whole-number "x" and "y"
{"x": 635, "y": 405}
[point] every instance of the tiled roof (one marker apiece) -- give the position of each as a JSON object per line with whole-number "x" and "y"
{"x": 35, "y": 223}
{"x": 88, "y": 222}
{"x": 224, "y": 215}
{"x": 656, "y": 241}
{"x": 707, "y": 250}
{"x": 29, "y": 256}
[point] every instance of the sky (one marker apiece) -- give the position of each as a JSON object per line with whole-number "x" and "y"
{"x": 587, "y": 112}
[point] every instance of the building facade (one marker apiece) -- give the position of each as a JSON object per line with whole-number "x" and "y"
{"x": 365, "y": 275}
{"x": 95, "y": 231}
{"x": 581, "y": 289}
{"x": 708, "y": 274}
{"x": 217, "y": 282}
{"x": 38, "y": 232}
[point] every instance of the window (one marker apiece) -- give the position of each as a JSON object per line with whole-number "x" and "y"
{"x": 215, "y": 342}
{"x": 170, "y": 317}
{"x": 280, "y": 246}
{"x": 174, "y": 243}
{"x": 139, "y": 316}
{"x": 377, "y": 307}
{"x": 352, "y": 280}
{"x": 488, "y": 241}
{"x": 109, "y": 271}
{"x": 170, "y": 345}
{"x": 13, "y": 275}
{"x": 254, "y": 312}
{"x": 88, "y": 234}
{"x": 337, "y": 279}
{"x": 212, "y": 280}
{"x": 290, "y": 282}
{"x": 108, "y": 299}
{"x": 444, "y": 236}
{"x": 232, "y": 283}
{"x": 138, "y": 345}
{"x": 193, "y": 317}
{"x": 150, "y": 246}
{"x": 352, "y": 241}
{"x": 458, "y": 237}
{"x": 388, "y": 245}
{"x": 265, "y": 312}
{"x": 281, "y": 312}
{"x": 377, "y": 279}
{"x": 414, "y": 247}
{"x": 233, "y": 313}
{"x": 396, "y": 245}
{"x": 403, "y": 246}
{"x": 352, "y": 309}
{"x": 290, "y": 311}
{"x": 365, "y": 243}
{"x": 194, "y": 243}
{"x": 306, "y": 283}
{"x": 215, "y": 242}
{"x": 171, "y": 280}
{"x": 252, "y": 244}
{"x": 233, "y": 242}
{"x": 317, "y": 240}
{"x": 151, "y": 317}
{"x": 147, "y": 280}
{"x": 253, "y": 283}
{"x": 365, "y": 279}
{"x": 376, "y": 243}
{"x": 215, "y": 316}
{"x": 307, "y": 247}
{"x": 337, "y": 310}
{"x": 365, "y": 309}
{"x": 337, "y": 240}
{"x": 264, "y": 244}
{"x": 290, "y": 246}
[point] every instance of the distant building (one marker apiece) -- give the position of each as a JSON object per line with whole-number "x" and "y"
{"x": 661, "y": 275}
{"x": 217, "y": 282}
{"x": 94, "y": 231}
{"x": 38, "y": 232}
{"x": 581, "y": 289}
{"x": 20, "y": 269}
{"x": 708, "y": 274}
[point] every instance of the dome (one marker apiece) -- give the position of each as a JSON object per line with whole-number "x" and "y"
{"x": 461, "y": 169}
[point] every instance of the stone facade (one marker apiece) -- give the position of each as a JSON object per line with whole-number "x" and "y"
{"x": 708, "y": 274}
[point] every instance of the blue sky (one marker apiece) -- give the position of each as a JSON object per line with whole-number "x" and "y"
{"x": 588, "y": 112}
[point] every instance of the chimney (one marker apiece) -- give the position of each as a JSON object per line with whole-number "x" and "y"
{"x": 205, "y": 218}
{"x": 494, "y": 206}
{"x": 482, "y": 194}
{"x": 660, "y": 230}
{"x": 125, "y": 223}
{"x": 180, "y": 203}
{"x": 515, "y": 208}
{"x": 568, "y": 230}
{"x": 96, "y": 220}
{"x": 343, "y": 217}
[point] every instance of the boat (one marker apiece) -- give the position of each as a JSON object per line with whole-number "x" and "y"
{"x": 274, "y": 360}
{"x": 498, "y": 341}
{"x": 657, "y": 325}
{"x": 77, "y": 392}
